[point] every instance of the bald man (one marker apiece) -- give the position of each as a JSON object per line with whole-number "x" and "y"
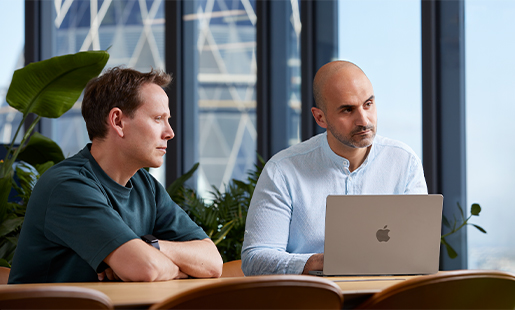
{"x": 284, "y": 233}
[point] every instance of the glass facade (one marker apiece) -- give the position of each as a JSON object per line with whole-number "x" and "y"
{"x": 225, "y": 62}
{"x": 133, "y": 33}
{"x": 384, "y": 39}
{"x": 225, "y": 88}
{"x": 12, "y": 17}
{"x": 489, "y": 29}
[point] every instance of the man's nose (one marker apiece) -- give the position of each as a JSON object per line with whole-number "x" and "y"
{"x": 169, "y": 134}
{"x": 361, "y": 118}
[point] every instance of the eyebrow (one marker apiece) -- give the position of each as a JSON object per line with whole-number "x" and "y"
{"x": 346, "y": 106}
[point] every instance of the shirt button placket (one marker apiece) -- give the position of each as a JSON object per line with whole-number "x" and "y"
{"x": 348, "y": 178}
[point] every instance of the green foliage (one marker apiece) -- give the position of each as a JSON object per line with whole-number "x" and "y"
{"x": 46, "y": 88}
{"x": 475, "y": 209}
{"x": 223, "y": 219}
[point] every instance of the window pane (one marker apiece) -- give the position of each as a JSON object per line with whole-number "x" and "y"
{"x": 134, "y": 33}
{"x": 226, "y": 61}
{"x": 294, "y": 62}
{"x": 489, "y": 43}
{"x": 12, "y": 17}
{"x": 383, "y": 37}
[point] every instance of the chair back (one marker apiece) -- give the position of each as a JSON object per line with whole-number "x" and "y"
{"x": 461, "y": 289}
{"x": 4, "y": 274}
{"x": 260, "y": 292}
{"x": 52, "y": 297}
{"x": 232, "y": 269}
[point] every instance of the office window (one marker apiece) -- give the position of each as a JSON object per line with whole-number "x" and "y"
{"x": 12, "y": 21}
{"x": 294, "y": 68}
{"x": 383, "y": 37}
{"x": 223, "y": 60}
{"x": 490, "y": 67}
{"x": 132, "y": 30}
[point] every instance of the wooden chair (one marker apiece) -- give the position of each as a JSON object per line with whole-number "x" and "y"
{"x": 260, "y": 292}
{"x": 461, "y": 289}
{"x": 232, "y": 269}
{"x": 52, "y": 297}
{"x": 4, "y": 274}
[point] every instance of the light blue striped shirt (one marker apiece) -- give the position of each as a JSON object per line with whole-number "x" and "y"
{"x": 286, "y": 219}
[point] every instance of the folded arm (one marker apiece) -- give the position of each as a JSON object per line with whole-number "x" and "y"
{"x": 137, "y": 261}
{"x": 196, "y": 258}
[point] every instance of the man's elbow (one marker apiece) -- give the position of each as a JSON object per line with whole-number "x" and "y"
{"x": 214, "y": 269}
{"x": 146, "y": 272}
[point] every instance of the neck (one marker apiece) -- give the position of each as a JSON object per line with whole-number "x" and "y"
{"x": 355, "y": 156}
{"x": 111, "y": 162}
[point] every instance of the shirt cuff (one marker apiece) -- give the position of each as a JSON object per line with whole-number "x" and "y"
{"x": 297, "y": 263}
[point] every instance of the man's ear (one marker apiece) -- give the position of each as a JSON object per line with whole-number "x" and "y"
{"x": 115, "y": 121}
{"x": 319, "y": 116}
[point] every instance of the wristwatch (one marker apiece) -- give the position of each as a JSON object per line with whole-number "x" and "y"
{"x": 153, "y": 241}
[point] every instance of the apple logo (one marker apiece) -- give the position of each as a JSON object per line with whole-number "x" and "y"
{"x": 382, "y": 234}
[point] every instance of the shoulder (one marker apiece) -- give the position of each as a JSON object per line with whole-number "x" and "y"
{"x": 391, "y": 145}
{"x": 299, "y": 150}
{"x": 75, "y": 167}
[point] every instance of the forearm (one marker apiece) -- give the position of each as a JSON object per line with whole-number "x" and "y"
{"x": 263, "y": 261}
{"x": 196, "y": 258}
{"x": 137, "y": 261}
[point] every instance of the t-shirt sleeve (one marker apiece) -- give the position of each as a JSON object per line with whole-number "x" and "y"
{"x": 172, "y": 222}
{"x": 80, "y": 217}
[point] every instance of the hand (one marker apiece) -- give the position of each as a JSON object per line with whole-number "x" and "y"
{"x": 181, "y": 275}
{"x": 315, "y": 262}
{"x": 109, "y": 273}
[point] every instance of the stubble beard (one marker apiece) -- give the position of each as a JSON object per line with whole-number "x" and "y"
{"x": 353, "y": 140}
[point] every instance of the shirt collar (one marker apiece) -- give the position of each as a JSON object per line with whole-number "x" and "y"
{"x": 339, "y": 160}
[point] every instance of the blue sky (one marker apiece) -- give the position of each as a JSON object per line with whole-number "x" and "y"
{"x": 13, "y": 32}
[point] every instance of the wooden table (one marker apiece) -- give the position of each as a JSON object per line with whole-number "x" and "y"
{"x": 143, "y": 294}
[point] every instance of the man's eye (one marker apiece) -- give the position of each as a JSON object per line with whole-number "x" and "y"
{"x": 158, "y": 118}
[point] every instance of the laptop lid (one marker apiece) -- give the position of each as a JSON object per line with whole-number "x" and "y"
{"x": 382, "y": 234}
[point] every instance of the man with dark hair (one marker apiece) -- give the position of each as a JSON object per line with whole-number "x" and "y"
{"x": 285, "y": 225}
{"x": 98, "y": 215}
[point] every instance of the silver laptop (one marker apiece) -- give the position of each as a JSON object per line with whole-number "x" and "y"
{"x": 382, "y": 234}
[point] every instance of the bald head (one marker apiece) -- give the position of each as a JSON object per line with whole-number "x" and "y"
{"x": 344, "y": 71}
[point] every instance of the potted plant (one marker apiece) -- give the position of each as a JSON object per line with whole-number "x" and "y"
{"x": 223, "y": 219}
{"x": 46, "y": 88}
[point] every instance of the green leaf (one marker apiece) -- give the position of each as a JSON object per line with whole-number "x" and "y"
{"x": 445, "y": 221}
{"x": 450, "y": 251}
{"x": 44, "y": 167}
{"x": 5, "y": 189}
{"x": 40, "y": 150}
{"x": 461, "y": 210}
{"x": 475, "y": 209}
{"x": 10, "y": 225}
{"x": 179, "y": 182}
{"x": 51, "y": 87}
{"x": 223, "y": 232}
{"x": 4, "y": 263}
{"x": 479, "y": 228}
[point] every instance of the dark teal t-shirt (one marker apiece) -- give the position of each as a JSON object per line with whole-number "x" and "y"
{"x": 77, "y": 215}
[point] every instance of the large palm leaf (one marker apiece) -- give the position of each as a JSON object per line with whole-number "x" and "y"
{"x": 51, "y": 87}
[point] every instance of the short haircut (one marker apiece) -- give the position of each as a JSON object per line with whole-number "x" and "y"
{"x": 117, "y": 87}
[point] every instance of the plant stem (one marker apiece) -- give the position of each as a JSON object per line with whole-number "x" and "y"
{"x": 456, "y": 229}
{"x": 8, "y": 163}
